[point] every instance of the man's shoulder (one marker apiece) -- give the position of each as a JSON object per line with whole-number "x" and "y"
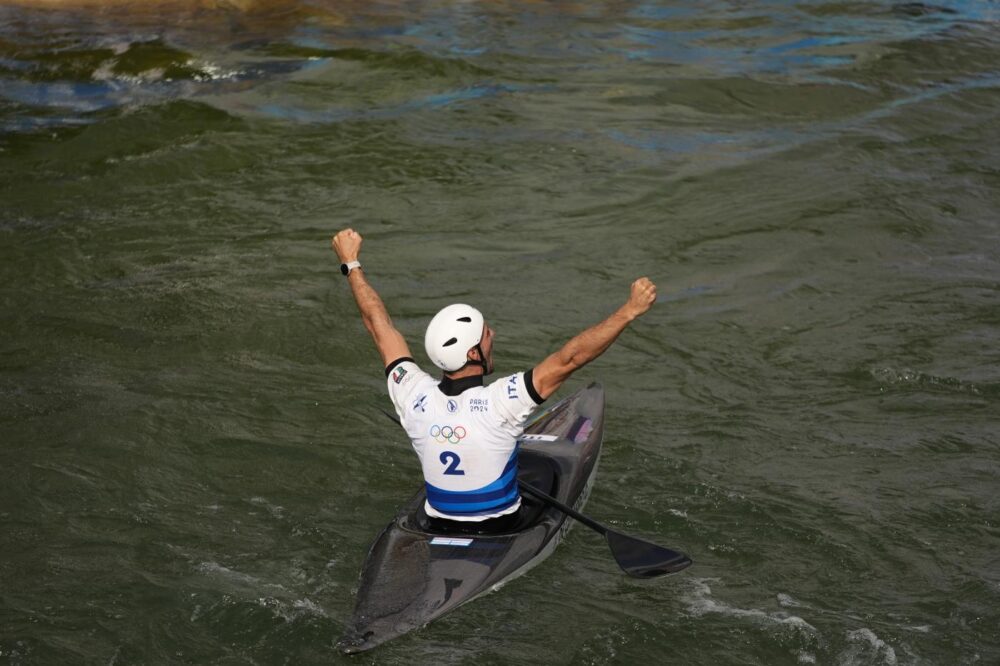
{"x": 516, "y": 387}
{"x": 507, "y": 386}
{"x": 404, "y": 371}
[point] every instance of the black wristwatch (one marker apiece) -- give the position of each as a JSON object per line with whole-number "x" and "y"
{"x": 349, "y": 266}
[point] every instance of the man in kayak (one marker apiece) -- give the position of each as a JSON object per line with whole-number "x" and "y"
{"x": 464, "y": 431}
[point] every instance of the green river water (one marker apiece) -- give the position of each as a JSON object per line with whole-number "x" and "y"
{"x": 192, "y": 458}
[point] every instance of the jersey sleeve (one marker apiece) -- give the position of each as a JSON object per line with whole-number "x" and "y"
{"x": 403, "y": 377}
{"x": 515, "y": 399}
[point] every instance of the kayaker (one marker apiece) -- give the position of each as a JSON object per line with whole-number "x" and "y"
{"x": 464, "y": 431}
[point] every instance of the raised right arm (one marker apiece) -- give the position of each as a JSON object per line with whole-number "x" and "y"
{"x": 389, "y": 341}
{"x": 549, "y": 375}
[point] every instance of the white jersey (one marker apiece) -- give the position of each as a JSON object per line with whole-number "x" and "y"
{"x": 467, "y": 443}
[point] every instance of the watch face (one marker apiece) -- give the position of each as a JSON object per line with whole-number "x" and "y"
{"x": 343, "y": 269}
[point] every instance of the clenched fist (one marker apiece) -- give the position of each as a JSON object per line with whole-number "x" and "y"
{"x": 642, "y": 297}
{"x": 347, "y": 244}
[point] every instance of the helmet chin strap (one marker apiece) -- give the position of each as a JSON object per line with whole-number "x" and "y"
{"x": 482, "y": 363}
{"x": 482, "y": 359}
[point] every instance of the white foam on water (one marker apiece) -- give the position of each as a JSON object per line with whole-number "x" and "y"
{"x": 105, "y": 72}
{"x": 700, "y": 602}
{"x": 273, "y": 509}
{"x": 290, "y": 612}
{"x": 787, "y": 601}
{"x": 287, "y": 610}
{"x": 214, "y": 568}
{"x": 217, "y": 570}
{"x": 204, "y": 71}
{"x": 211, "y": 72}
{"x": 866, "y": 648}
{"x": 195, "y": 614}
{"x": 308, "y": 606}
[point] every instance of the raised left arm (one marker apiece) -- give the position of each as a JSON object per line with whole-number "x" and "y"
{"x": 388, "y": 340}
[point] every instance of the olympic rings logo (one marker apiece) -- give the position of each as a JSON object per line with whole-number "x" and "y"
{"x": 442, "y": 434}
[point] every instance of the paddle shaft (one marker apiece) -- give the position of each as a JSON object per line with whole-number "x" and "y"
{"x": 569, "y": 511}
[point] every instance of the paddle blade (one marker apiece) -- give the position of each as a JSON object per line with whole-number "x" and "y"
{"x": 643, "y": 559}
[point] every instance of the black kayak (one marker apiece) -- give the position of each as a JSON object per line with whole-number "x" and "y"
{"x": 414, "y": 575}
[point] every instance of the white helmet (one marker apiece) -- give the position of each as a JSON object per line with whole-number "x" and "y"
{"x": 451, "y": 334}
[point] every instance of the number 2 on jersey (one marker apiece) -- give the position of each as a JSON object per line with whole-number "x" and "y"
{"x": 451, "y": 459}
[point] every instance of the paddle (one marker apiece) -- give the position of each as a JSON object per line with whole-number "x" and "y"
{"x": 636, "y": 557}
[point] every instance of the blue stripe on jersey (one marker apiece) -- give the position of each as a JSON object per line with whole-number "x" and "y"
{"x": 491, "y": 498}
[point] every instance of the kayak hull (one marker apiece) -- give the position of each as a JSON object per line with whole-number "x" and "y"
{"x": 413, "y": 574}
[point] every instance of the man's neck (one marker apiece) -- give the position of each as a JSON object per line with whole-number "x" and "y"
{"x": 468, "y": 371}
{"x": 453, "y": 383}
